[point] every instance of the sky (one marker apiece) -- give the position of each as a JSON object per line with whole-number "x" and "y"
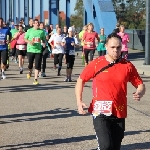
{"x": 37, "y": 7}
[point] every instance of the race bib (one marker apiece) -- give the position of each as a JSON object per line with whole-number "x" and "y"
{"x": 22, "y": 47}
{"x": 36, "y": 40}
{"x": 72, "y": 52}
{"x": 89, "y": 44}
{"x": 102, "y": 107}
{"x": 2, "y": 42}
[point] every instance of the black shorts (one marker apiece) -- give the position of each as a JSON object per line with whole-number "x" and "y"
{"x": 70, "y": 61}
{"x": 21, "y": 52}
{"x": 4, "y": 56}
{"x": 109, "y": 131}
{"x": 37, "y": 57}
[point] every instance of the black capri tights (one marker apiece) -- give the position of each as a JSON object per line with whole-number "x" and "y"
{"x": 58, "y": 59}
{"x": 37, "y": 57}
{"x": 86, "y": 53}
{"x": 70, "y": 61}
{"x": 4, "y": 56}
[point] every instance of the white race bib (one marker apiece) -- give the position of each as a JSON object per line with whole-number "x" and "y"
{"x": 72, "y": 52}
{"x": 102, "y": 107}
{"x": 21, "y": 47}
{"x": 2, "y": 42}
{"x": 89, "y": 44}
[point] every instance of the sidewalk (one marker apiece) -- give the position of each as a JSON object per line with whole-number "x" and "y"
{"x": 137, "y": 57}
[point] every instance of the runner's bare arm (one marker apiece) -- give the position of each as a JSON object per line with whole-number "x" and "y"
{"x": 78, "y": 92}
{"x": 139, "y": 92}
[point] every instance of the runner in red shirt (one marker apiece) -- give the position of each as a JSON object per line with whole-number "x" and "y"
{"x": 110, "y": 74}
{"x": 89, "y": 42}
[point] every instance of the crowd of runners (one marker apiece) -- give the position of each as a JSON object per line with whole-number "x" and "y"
{"x": 38, "y": 42}
{"x": 110, "y": 71}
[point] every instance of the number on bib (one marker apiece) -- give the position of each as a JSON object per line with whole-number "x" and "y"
{"x": 103, "y": 107}
{"x": 36, "y": 40}
{"x": 2, "y": 42}
{"x": 21, "y": 47}
{"x": 72, "y": 52}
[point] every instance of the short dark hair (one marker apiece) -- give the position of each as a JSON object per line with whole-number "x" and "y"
{"x": 113, "y": 35}
{"x": 1, "y": 18}
{"x": 36, "y": 20}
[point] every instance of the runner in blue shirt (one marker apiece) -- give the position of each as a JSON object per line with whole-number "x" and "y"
{"x": 71, "y": 42}
{"x": 5, "y": 37}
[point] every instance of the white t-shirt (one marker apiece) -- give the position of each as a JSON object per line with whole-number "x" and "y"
{"x": 58, "y": 48}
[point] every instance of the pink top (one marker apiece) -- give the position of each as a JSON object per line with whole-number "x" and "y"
{"x": 125, "y": 39}
{"x": 21, "y": 44}
{"x": 89, "y": 38}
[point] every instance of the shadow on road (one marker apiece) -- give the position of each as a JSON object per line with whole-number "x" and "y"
{"x": 136, "y": 146}
{"x": 51, "y": 114}
{"x": 49, "y": 142}
{"x": 23, "y": 88}
{"x": 137, "y": 56}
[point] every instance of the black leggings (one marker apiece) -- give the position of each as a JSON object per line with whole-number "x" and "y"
{"x": 58, "y": 59}
{"x": 14, "y": 52}
{"x": 70, "y": 61}
{"x": 37, "y": 57}
{"x": 4, "y": 56}
{"x": 109, "y": 132}
{"x": 44, "y": 57}
{"x": 101, "y": 53}
{"x": 86, "y": 53}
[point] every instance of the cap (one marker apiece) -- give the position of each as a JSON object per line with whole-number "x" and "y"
{"x": 70, "y": 29}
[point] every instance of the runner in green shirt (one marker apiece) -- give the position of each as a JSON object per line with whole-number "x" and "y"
{"x": 13, "y": 31}
{"x": 82, "y": 43}
{"x": 34, "y": 37}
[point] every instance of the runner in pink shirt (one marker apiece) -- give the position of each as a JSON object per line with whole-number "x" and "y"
{"x": 125, "y": 41}
{"x": 21, "y": 47}
{"x": 89, "y": 42}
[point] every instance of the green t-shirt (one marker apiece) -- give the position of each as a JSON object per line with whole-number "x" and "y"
{"x": 81, "y": 35}
{"x": 101, "y": 45}
{"x": 36, "y": 36}
{"x": 13, "y": 31}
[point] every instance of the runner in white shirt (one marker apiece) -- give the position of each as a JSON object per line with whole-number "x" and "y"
{"x": 57, "y": 43}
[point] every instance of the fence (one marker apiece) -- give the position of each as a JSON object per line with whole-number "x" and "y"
{"x": 137, "y": 39}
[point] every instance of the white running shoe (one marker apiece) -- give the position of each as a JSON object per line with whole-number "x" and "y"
{"x": 3, "y": 75}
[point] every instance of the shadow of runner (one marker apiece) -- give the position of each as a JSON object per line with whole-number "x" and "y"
{"x": 23, "y": 88}
{"x": 52, "y": 114}
{"x": 49, "y": 142}
{"x": 136, "y": 146}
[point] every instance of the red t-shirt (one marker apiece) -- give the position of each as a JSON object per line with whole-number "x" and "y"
{"x": 111, "y": 84}
{"x": 90, "y": 39}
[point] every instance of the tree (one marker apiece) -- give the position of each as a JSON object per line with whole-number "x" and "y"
{"x": 130, "y": 13}
{"x": 77, "y": 18}
{"x": 79, "y": 8}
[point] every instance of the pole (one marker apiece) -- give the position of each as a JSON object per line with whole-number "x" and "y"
{"x": 147, "y": 34}
{"x": 42, "y": 19}
{"x": 26, "y": 11}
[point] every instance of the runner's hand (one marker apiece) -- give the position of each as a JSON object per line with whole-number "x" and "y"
{"x": 82, "y": 105}
{"x": 137, "y": 96}
{"x": 30, "y": 42}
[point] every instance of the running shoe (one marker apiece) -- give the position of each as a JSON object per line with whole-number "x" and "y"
{"x": 3, "y": 75}
{"x": 16, "y": 61}
{"x": 21, "y": 71}
{"x": 12, "y": 58}
{"x": 66, "y": 80}
{"x": 69, "y": 80}
{"x": 35, "y": 82}
{"x": 43, "y": 74}
{"x": 29, "y": 75}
